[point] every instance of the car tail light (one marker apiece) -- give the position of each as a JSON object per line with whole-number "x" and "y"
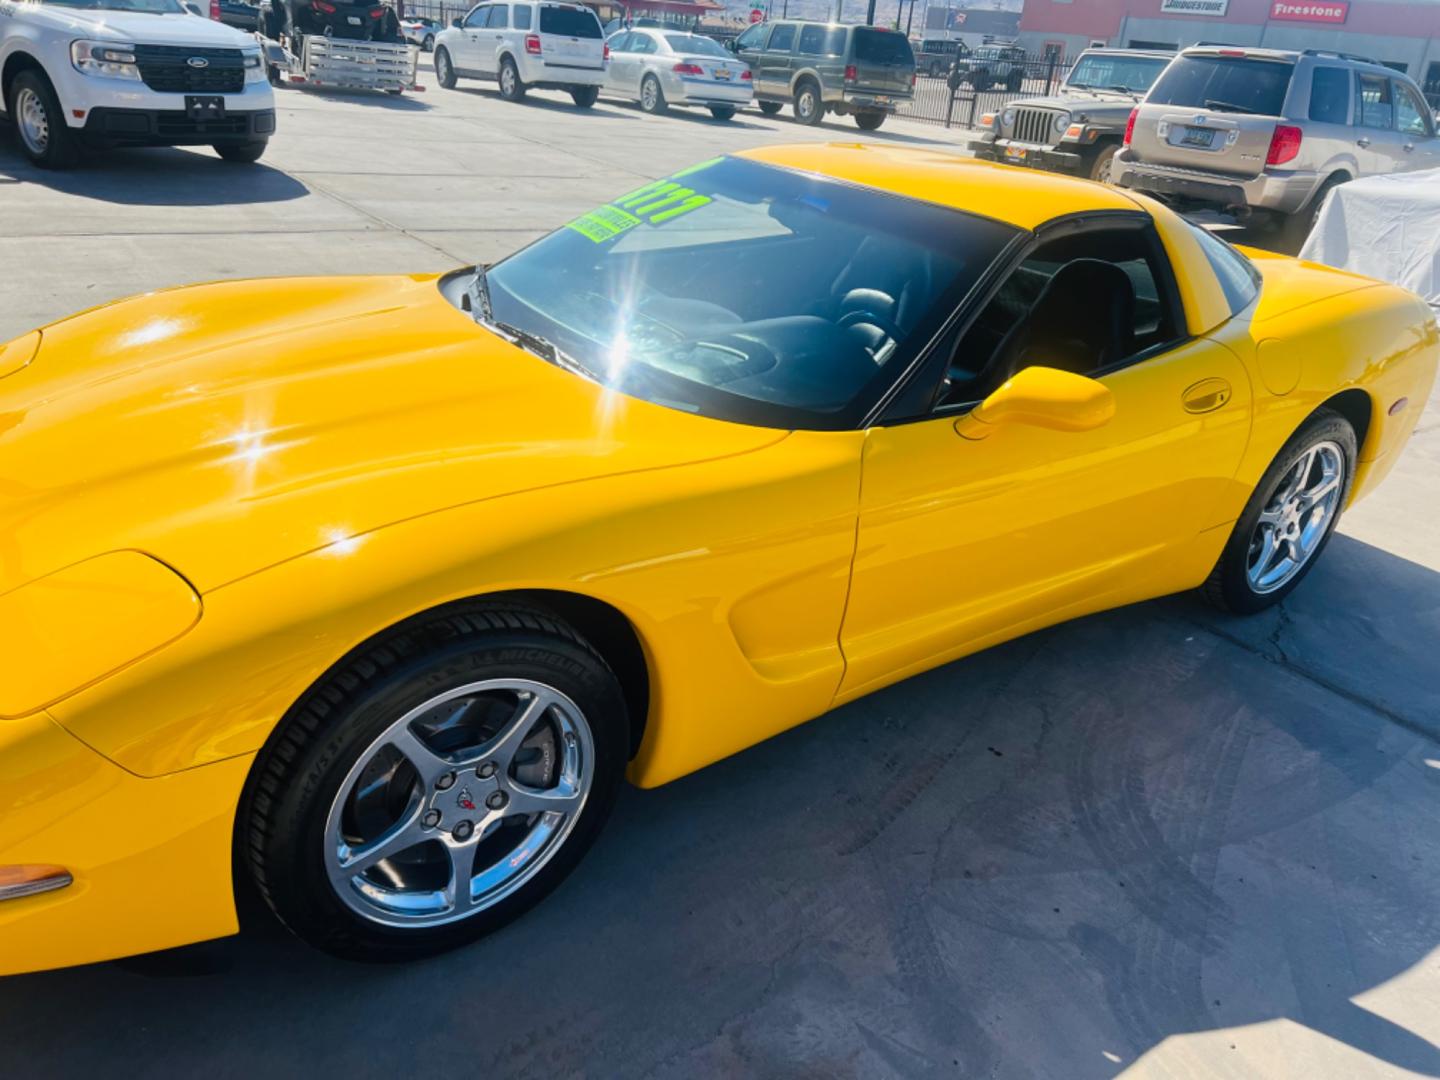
{"x": 912, "y": 80}
{"x": 745, "y": 75}
{"x": 606, "y": 57}
{"x": 321, "y": 5}
{"x": 850, "y": 75}
{"x": 215, "y": 10}
{"x": 1232, "y": 52}
{"x": 1130, "y": 125}
{"x": 1284, "y": 144}
{"x": 532, "y": 44}
{"x": 376, "y": 13}
{"x": 688, "y": 69}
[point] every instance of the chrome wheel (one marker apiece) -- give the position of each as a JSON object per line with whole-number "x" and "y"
{"x": 459, "y": 803}
{"x": 650, "y": 95}
{"x": 442, "y": 66}
{"x": 805, "y": 104}
{"x": 507, "y": 79}
{"x": 1296, "y": 517}
{"x": 32, "y": 121}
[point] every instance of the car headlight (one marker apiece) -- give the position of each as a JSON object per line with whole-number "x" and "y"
{"x": 104, "y": 59}
{"x": 1062, "y": 121}
{"x": 1008, "y": 117}
{"x": 254, "y": 66}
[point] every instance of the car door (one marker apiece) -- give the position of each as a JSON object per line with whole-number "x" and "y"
{"x": 469, "y": 45}
{"x": 492, "y": 40}
{"x": 1419, "y": 147}
{"x": 773, "y": 74}
{"x": 619, "y": 74}
{"x": 644, "y": 50}
{"x": 748, "y": 48}
{"x": 962, "y": 543}
{"x": 1377, "y": 140}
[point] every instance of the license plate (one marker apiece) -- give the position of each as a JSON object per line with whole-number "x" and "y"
{"x": 1015, "y": 153}
{"x": 1202, "y": 137}
{"x": 353, "y": 20}
{"x": 723, "y": 74}
{"x": 882, "y": 100}
{"x": 205, "y": 108}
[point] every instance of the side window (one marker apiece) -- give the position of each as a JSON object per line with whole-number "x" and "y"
{"x": 782, "y": 38}
{"x": 812, "y": 40}
{"x": 476, "y": 18}
{"x": 1083, "y": 303}
{"x": 521, "y": 17}
{"x": 1239, "y": 281}
{"x": 1330, "y": 95}
{"x": 751, "y": 38}
{"x": 621, "y": 42}
{"x": 1374, "y": 106}
{"x": 499, "y": 17}
{"x": 1415, "y": 118}
{"x": 642, "y": 43}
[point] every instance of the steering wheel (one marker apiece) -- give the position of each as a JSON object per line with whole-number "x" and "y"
{"x": 853, "y": 318}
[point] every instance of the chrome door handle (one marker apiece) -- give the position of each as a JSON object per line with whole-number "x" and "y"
{"x": 1362, "y": 142}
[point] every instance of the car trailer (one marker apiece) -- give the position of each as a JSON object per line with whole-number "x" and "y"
{"x": 343, "y": 64}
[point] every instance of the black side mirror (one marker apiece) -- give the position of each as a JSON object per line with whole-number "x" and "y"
{"x": 455, "y": 23}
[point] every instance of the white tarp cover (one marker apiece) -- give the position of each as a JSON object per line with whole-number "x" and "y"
{"x": 1385, "y": 227}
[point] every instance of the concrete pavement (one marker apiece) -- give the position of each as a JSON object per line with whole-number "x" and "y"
{"x": 1156, "y": 842}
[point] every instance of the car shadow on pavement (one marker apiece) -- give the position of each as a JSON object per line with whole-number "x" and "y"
{"x": 556, "y": 101}
{"x": 1098, "y": 842}
{"x": 161, "y": 176}
{"x": 373, "y": 98}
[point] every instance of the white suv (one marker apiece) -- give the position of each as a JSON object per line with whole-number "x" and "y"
{"x": 133, "y": 72}
{"x": 526, "y": 46}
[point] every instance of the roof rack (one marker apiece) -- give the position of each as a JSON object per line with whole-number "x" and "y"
{"x": 1340, "y": 55}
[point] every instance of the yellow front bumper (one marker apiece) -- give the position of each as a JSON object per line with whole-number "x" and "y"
{"x": 150, "y": 857}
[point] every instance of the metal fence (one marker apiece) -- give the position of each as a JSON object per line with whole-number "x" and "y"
{"x": 976, "y": 86}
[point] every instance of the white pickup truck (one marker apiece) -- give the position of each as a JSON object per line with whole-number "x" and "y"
{"x": 76, "y": 73}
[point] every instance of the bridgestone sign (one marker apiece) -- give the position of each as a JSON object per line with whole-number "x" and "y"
{"x": 1213, "y": 8}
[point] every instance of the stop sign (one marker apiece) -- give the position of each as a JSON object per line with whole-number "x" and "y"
{"x": 756, "y": 15}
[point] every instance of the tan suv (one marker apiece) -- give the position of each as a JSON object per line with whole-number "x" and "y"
{"x": 1269, "y": 132}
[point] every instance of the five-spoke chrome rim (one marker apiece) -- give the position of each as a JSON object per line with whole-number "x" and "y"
{"x": 459, "y": 803}
{"x": 33, "y": 121}
{"x": 1296, "y": 517}
{"x": 650, "y": 94}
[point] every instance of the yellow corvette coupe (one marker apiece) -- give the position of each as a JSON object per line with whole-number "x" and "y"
{"x": 374, "y": 589}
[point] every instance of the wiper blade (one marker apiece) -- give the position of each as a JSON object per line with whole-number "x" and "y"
{"x": 1122, "y": 89}
{"x": 1226, "y": 106}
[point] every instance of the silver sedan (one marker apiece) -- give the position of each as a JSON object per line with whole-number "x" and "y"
{"x": 659, "y": 68}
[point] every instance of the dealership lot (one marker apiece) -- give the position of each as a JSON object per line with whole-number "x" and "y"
{"x": 1157, "y": 839}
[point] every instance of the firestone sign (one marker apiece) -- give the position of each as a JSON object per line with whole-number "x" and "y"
{"x": 1321, "y": 11}
{"x": 1213, "y": 8}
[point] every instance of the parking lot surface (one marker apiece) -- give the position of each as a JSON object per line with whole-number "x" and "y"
{"x": 1156, "y": 842}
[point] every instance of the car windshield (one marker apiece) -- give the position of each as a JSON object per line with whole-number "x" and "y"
{"x": 747, "y": 292}
{"x": 1096, "y": 72}
{"x": 882, "y": 47}
{"x": 695, "y": 45}
{"x": 1225, "y": 84}
{"x": 150, "y": 7}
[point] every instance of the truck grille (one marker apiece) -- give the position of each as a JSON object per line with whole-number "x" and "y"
{"x": 167, "y": 69}
{"x": 1034, "y": 126}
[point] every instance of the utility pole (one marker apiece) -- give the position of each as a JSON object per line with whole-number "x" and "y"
{"x": 870, "y": 14}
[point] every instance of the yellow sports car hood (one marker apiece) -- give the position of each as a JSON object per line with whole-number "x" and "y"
{"x": 223, "y": 428}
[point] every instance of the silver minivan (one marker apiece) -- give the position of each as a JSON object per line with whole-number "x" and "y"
{"x": 1266, "y": 132}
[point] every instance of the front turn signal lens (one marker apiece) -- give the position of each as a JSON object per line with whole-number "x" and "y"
{"x": 31, "y": 879}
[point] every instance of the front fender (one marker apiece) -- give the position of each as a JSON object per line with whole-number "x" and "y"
{"x": 733, "y": 573}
